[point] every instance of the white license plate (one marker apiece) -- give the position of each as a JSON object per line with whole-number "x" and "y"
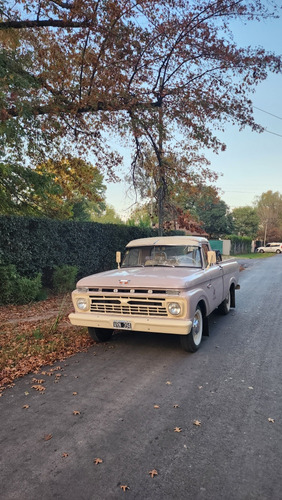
{"x": 122, "y": 325}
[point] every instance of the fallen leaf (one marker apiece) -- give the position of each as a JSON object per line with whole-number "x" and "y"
{"x": 175, "y": 406}
{"x": 124, "y": 487}
{"x": 26, "y": 393}
{"x": 168, "y": 383}
{"x": 39, "y": 388}
{"x": 250, "y": 387}
{"x": 38, "y": 381}
{"x": 197, "y": 422}
{"x": 47, "y": 437}
{"x": 26, "y": 406}
{"x": 97, "y": 461}
{"x": 153, "y": 473}
{"x": 271, "y": 420}
{"x": 76, "y": 412}
{"x": 200, "y": 387}
{"x": 74, "y": 393}
{"x": 177, "y": 429}
{"x": 156, "y": 406}
{"x": 64, "y": 455}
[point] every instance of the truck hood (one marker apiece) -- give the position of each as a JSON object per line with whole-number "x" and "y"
{"x": 144, "y": 277}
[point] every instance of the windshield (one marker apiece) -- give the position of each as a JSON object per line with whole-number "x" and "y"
{"x": 173, "y": 256}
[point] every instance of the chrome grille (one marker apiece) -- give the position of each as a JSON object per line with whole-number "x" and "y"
{"x": 128, "y": 306}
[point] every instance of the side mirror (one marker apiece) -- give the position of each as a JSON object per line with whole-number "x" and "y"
{"x": 211, "y": 258}
{"x": 118, "y": 259}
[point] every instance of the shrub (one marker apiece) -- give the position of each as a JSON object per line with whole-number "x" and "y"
{"x": 16, "y": 289}
{"x": 64, "y": 278}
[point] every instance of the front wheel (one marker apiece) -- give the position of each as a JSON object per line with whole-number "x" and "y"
{"x": 261, "y": 251}
{"x": 100, "y": 334}
{"x": 278, "y": 251}
{"x": 192, "y": 341}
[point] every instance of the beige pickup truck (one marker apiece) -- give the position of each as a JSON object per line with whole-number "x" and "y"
{"x": 167, "y": 284}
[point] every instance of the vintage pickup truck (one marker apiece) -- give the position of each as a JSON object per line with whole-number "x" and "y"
{"x": 167, "y": 284}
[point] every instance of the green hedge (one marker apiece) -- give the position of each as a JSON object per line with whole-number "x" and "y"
{"x": 36, "y": 245}
{"x": 239, "y": 244}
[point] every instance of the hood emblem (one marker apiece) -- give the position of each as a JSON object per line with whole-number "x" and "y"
{"x": 124, "y": 282}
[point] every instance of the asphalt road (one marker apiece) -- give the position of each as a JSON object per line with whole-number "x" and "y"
{"x": 232, "y": 386}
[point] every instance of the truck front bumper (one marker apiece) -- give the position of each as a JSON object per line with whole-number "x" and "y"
{"x": 140, "y": 324}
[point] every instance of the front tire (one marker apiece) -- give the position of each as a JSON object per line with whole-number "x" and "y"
{"x": 192, "y": 341}
{"x": 261, "y": 251}
{"x": 100, "y": 334}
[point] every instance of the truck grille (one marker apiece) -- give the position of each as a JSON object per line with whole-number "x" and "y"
{"x": 128, "y": 306}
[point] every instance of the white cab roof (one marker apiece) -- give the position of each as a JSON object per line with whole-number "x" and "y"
{"x": 167, "y": 240}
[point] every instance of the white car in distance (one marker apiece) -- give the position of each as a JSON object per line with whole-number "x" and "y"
{"x": 271, "y": 248}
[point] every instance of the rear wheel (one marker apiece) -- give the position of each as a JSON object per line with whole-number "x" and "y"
{"x": 278, "y": 251}
{"x": 192, "y": 341}
{"x": 100, "y": 334}
{"x": 225, "y": 305}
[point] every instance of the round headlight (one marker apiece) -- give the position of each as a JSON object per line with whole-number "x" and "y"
{"x": 81, "y": 304}
{"x": 174, "y": 308}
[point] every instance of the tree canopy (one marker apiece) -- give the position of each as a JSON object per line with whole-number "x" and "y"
{"x": 246, "y": 221}
{"x": 269, "y": 210}
{"x": 75, "y": 72}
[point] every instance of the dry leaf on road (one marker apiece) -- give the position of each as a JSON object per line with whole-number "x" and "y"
{"x": 197, "y": 422}
{"x": 64, "y": 455}
{"x": 168, "y": 383}
{"x": 39, "y": 388}
{"x": 124, "y": 487}
{"x": 97, "y": 461}
{"x": 153, "y": 473}
{"x": 175, "y": 406}
{"x": 156, "y": 406}
{"x": 271, "y": 420}
{"x": 26, "y": 406}
{"x": 47, "y": 437}
{"x": 76, "y": 412}
{"x": 177, "y": 429}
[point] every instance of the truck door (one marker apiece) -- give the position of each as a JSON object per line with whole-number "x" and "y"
{"x": 213, "y": 284}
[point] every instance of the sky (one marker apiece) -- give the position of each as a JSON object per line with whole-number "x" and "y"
{"x": 252, "y": 162}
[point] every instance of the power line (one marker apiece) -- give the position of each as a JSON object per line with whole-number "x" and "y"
{"x": 267, "y": 112}
{"x": 273, "y": 133}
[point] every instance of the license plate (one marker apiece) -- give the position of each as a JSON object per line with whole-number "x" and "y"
{"x": 122, "y": 325}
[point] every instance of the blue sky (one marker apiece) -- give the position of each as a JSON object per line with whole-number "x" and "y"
{"x": 252, "y": 163}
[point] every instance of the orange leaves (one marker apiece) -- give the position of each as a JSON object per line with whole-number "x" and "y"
{"x": 98, "y": 461}
{"x": 39, "y": 388}
{"x": 177, "y": 429}
{"x": 124, "y": 487}
{"x": 197, "y": 423}
{"x": 76, "y": 412}
{"x": 47, "y": 437}
{"x": 153, "y": 472}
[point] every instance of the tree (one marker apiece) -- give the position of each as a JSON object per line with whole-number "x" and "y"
{"x": 81, "y": 190}
{"x": 175, "y": 67}
{"x": 246, "y": 221}
{"x": 269, "y": 210}
{"x": 69, "y": 188}
{"x": 107, "y": 216}
{"x": 216, "y": 219}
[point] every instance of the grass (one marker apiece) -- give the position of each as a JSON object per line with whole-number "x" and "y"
{"x": 253, "y": 255}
